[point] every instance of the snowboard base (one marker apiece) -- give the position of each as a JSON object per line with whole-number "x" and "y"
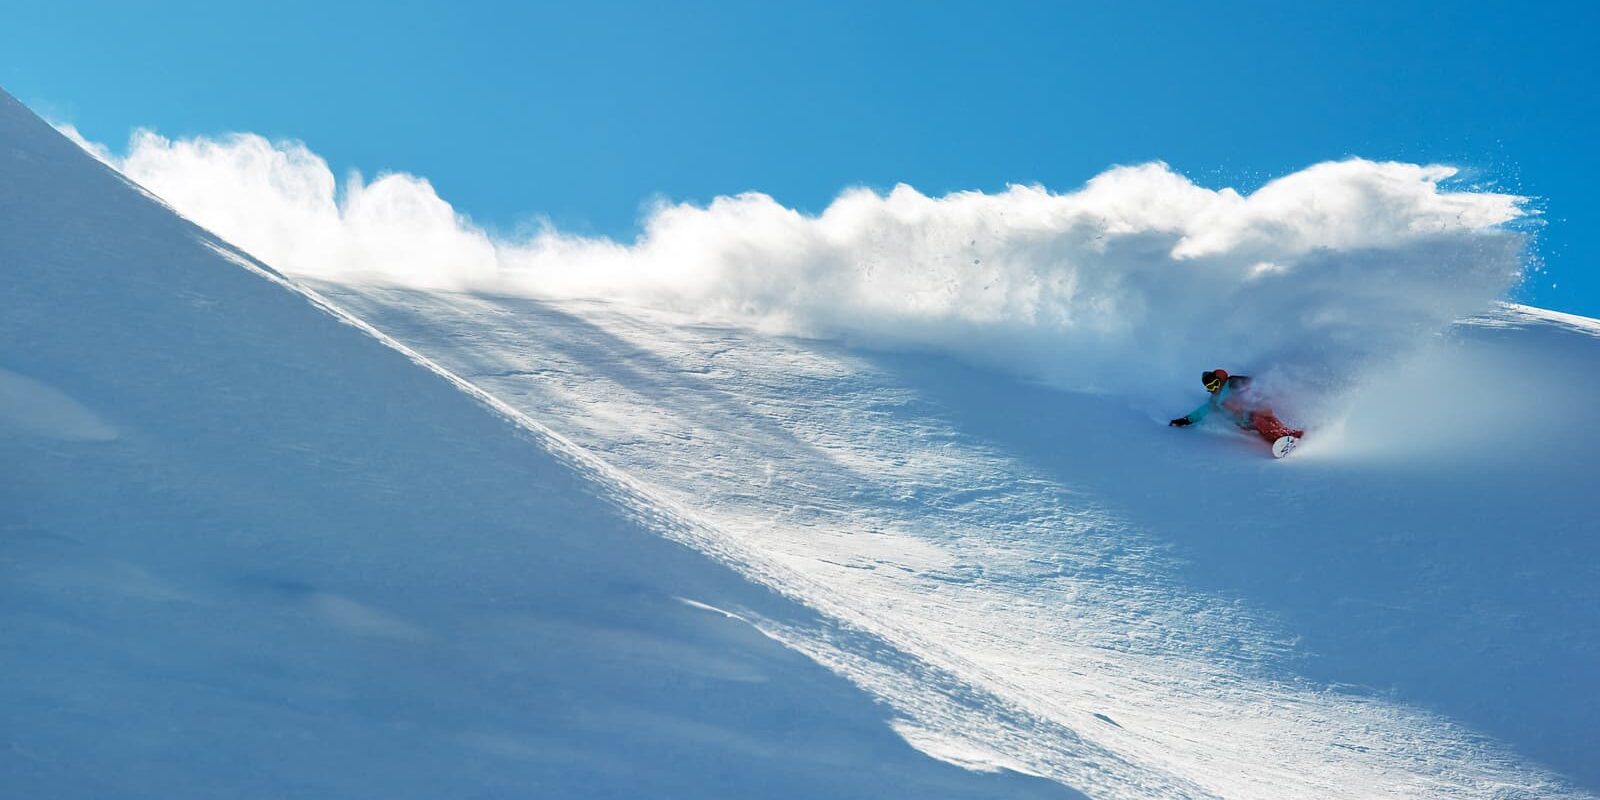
{"x": 1284, "y": 445}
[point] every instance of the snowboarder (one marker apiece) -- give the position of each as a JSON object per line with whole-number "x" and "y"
{"x": 1230, "y": 394}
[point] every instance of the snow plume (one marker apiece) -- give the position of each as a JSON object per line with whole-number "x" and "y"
{"x": 280, "y": 202}
{"x": 1130, "y": 285}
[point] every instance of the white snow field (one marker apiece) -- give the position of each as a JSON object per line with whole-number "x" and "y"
{"x": 458, "y": 569}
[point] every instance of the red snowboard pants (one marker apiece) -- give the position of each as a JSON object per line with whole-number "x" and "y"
{"x": 1270, "y": 427}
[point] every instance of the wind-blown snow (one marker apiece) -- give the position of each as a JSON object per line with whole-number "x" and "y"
{"x": 1129, "y": 285}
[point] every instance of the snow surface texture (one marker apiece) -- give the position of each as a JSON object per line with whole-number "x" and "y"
{"x": 1125, "y": 286}
{"x": 1044, "y": 580}
{"x": 249, "y": 550}
{"x": 1401, "y": 609}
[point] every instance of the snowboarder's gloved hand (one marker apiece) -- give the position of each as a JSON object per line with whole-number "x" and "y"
{"x": 1180, "y": 422}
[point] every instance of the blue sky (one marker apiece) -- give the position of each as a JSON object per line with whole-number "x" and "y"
{"x": 584, "y": 112}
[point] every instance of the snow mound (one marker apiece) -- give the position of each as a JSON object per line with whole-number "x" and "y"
{"x": 29, "y": 406}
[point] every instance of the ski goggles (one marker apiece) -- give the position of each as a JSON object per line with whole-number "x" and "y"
{"x": 1213, "y": 384}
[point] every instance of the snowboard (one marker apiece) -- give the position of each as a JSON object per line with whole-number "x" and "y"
{"x": 1284, "y": 445}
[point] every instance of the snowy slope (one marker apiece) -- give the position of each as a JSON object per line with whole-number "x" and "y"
{"x": 1004, "y": 542}
{"x": 251, "y": 550}
{"x": 1406, "y": 608}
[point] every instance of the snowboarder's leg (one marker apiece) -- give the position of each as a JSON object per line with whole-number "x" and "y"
{"x": 1270, "y": 427}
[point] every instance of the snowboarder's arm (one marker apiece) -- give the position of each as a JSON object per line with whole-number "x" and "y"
{"x": 1193, "y": 416}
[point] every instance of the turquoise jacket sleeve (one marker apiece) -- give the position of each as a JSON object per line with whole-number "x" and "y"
{"x": 1200, "y": 413}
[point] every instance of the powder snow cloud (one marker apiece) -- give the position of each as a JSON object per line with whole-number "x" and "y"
{"x": 1129, "y": 285}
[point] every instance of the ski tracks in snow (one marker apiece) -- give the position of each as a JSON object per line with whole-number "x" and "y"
{"x": 1029, "y": 627}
